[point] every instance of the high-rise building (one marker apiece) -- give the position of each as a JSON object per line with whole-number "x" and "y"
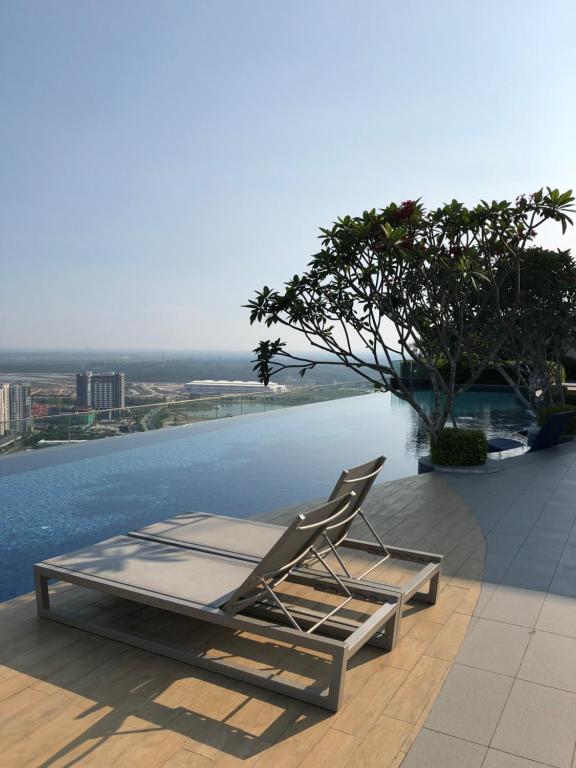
{"x": 20, "y": 408}
{"x": 84, "y": 389}
{"x": 4, "y": 408}
{"x": 101, "y": 390}
{"x": 108, "y": 390}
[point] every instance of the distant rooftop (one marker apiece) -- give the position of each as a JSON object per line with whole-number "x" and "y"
{"x": 224, "y": 383}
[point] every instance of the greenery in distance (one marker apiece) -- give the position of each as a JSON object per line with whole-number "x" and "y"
{"x": 157, "y": 369}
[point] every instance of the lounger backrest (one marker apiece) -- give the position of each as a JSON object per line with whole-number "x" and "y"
{"x": 549, "y": 434}
{"x": 359, "y": 479}
{"x": 291, "y": 548}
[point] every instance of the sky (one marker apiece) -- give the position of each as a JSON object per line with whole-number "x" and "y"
{"x": 160, "y": 161}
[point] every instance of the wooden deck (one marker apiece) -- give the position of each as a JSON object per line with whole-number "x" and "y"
{"x": 70, "y": 698}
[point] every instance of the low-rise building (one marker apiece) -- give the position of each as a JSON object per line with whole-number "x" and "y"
{"x": 223, "y": 387}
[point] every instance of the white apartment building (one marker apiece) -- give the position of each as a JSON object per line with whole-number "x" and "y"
{"x": 4, "y": 408}
{"x": 15, "y": 408}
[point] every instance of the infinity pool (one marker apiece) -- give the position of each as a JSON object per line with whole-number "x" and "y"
{"x": 58, "y": 499}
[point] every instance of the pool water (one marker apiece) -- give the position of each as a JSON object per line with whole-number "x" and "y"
{"x": 59, "y": 499}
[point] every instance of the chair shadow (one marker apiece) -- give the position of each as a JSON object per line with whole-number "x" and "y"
{"x": 218, "y": 734}
{"x": 138, "y": 691}
{"x": 141, "y": 690}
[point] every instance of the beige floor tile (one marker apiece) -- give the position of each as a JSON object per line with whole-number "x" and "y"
{"x": 436, "y": 750}
{"x": 497, "y": 759}
{"x": 538, "y": 723}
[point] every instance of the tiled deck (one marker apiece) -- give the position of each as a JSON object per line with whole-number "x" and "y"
{"x": 486, "y": 678}
{"x": 69, "y": 698}
{"x": 509, "y": 701}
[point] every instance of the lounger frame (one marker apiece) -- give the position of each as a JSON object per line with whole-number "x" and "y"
{"x": 412, "y": 590}
{"x": 360, "y": 480}
{"x": 415, "y": 589}
{"x": 339, "y": 638}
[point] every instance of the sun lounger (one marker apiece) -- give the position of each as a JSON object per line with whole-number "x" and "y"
{"x": 250, "y": 540}
{"x": 548, "y": 435}
{"x": 234, "y": 594}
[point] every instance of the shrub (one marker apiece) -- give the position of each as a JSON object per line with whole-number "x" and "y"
{"x": 460, "y": 447}
{"x": 543, "y": 414}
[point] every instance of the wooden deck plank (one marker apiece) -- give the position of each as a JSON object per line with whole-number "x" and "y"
{"x": 421, "y": 685}
{"x": 381, "y": 745}
{"x": 447, "y": 642}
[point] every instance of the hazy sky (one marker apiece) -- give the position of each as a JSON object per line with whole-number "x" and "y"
{"x": 161, "y": 160}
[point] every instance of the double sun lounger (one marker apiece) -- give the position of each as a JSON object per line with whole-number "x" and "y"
{"x": 229, "y": 573}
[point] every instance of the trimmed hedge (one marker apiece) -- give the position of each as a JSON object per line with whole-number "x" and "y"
{"x": 460, "y": 447}
{"x": 543, "y": 414}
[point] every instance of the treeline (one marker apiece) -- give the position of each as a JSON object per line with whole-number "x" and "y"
{"x": 177, "y": 370}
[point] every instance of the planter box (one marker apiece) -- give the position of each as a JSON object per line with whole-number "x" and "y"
{"x": 425, "y": 465}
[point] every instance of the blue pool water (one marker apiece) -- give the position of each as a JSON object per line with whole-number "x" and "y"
{"x": 58, "y": 499}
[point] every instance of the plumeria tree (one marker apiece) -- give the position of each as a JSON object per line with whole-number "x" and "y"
{"x": 422, "y": 286}
{"x": 544, "y": 327}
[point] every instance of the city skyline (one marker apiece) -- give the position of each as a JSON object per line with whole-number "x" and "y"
{"x": 161, "y": 163}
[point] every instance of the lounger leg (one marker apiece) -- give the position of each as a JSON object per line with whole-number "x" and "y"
{"x": 432, "y": 595}
{"x": 429, "y": 575}
{"x": 336, "y": 689}
{"x": 388, "y": 639}
{"x": 42, "y": 594}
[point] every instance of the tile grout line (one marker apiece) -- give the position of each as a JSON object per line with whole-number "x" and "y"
{"x": 530, "y": 531}
{"x": 532, "y": 631}
{"x": 472, "y": 617}
{"x": 512, "y": 754}
{"x": 548, "y": 593}
{"x": 485, "y": 535}
{"x": 486, "y": 747}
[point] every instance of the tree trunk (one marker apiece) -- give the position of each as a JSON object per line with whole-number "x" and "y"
{"x": 559, "y": 383}
{"x": 515, "y": 386}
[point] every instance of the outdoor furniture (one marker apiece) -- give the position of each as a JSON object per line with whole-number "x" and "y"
{"x": 547, "y": 436}
{"x": 250, "y": 540}
{"x": 235, "y": 594}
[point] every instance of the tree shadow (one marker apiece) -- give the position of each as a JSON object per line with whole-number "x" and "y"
{"x": 122, "y": 684}
{"x": 125, "y": 683}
